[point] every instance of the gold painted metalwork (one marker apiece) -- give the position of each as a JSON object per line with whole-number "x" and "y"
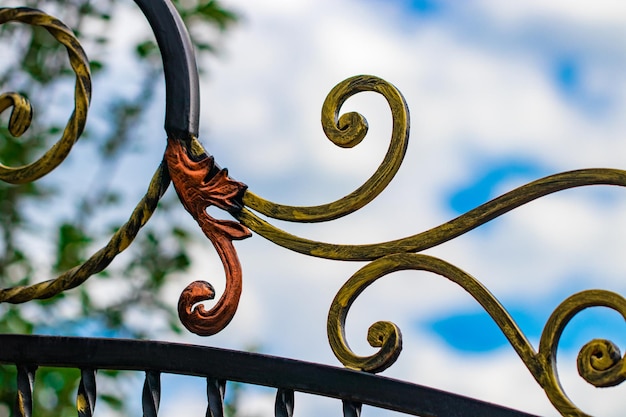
{"x": 348, "y": 131}
{"x": 22, "y": 112}
{"x": 103, "y": 257}
{"x": 19, "y": 123}
{"x": 444, "y": 232}
{"x": 599, "y": 362}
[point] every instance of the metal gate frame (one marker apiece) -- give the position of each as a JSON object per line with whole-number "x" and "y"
{"x": 200, "y": 182}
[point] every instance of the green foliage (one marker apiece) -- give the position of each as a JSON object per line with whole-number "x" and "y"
{"x": 30, "y": 225}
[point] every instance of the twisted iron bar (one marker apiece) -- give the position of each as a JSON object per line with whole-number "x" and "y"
{"x": 24, "y": 398}
{"x": 87, "y": 393}
{"x": 351, "y": 409}
{"x": 103, "y": 257}
{"x": 284, "y": 404}
{"x": 151, "y": 394}
{"x": 19, "y": 123}
{"x": 195, "y": 175}
{"x": 215, "y": 390}
{"x": 22, "y": 111}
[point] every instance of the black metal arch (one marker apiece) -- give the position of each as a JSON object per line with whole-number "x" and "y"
{"x": 228, "y": 365}
{"x": 182, "y": 106}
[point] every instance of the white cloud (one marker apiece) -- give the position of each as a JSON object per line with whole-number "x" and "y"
{"x": 581, "y": 12}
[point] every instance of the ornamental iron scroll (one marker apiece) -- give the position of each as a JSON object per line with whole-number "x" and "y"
{"x": 200, "y": 182}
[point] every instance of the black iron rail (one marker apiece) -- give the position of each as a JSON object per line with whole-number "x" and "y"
{"x": 352, "y": 387}
{"x": 182, "y": 91}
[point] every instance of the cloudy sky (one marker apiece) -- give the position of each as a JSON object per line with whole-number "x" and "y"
{"x": 500, "y": 93}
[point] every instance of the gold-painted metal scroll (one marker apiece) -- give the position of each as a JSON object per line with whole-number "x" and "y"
{"x": 348, "y": 131}
{"x": 19, "y": 123}
{"x": 22, "y": 111}
{"x": 599, "y": 362}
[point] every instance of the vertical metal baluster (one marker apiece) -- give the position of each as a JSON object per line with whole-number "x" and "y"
{"x": 283, "y": 407}
{"x": 24, "y": 398}
{"x": 351, "y": 409}
{"x": 151, "y": 397}
{"x": 86, "y": 397}
{"x": 215, "y": 389}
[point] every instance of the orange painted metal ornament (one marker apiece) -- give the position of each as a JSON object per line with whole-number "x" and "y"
{"x": 200, "y": 183}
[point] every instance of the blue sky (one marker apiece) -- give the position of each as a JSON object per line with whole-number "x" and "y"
{"x": 500, "y": 93}
{"x": 471, "y": 330}
{"x": 487, "y": 183}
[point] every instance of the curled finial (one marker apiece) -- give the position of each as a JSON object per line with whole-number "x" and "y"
{"x": 383, "y": 334}
{"x": 22, "y": 113}
{"x": 195, "y": 317}
{"x": 347, "y": 131}
{"x": 200, "y": 183}
{"x": 599, "y": 361}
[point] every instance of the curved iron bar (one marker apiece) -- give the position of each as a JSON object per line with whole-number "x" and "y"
{"x": 444, "y": 232}
{"x": 348, "y": 131}
{"x": 386, "y": 335}
{"x": 22, "y": 111}
{"x": 251, "y": 368}
{"x": 599, "y": 361}
{"x": 200, "y": 182}
{"x": 182, "y": 91}
{"x": 182, "y": 107}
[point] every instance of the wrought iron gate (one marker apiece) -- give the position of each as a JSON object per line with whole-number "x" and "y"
{"x": 200, "y": 182}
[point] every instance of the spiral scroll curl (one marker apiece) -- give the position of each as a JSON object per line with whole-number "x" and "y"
{"x": 20, "y": 121}
{"x": 22, "y": 111}
{"x": 599, "y": 361}
{"x": 200, "y": 183}
{"x": 348, "y": 131}
{"x": 386, "y": 335}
